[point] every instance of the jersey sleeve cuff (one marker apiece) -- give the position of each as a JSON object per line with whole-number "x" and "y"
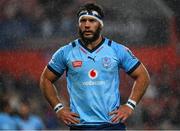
{"x": 54, "y": 71}
{"x": 134, "y": 68}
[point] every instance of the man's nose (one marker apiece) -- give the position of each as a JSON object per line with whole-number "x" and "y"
{"x": 87, "y": 24}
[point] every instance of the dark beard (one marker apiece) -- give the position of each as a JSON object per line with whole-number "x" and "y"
{"x": 96, "y": 35}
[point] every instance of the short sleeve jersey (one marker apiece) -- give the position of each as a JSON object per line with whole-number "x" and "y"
{"x": 93, "y": 77}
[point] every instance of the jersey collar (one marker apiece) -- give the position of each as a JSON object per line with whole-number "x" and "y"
{"x": 94, "y": 49}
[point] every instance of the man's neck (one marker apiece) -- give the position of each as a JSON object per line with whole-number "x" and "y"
{"x": 93, "y": 44}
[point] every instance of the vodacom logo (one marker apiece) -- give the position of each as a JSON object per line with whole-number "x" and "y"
{"x": 93, "y": 73}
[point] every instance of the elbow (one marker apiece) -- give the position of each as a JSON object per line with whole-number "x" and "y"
{"x": 41, "y": 82}
{"x": 148, "y": 79}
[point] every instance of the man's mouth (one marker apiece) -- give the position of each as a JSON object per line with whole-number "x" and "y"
{"x": 88, "y": 32}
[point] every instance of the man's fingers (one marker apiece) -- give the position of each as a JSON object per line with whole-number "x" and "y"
{"x": 74, "y": 114}
{"x": 119, "y": 117}
{"x": 66, "y": 122}
{"x": 123, "y": 119}
{"x": 68, "y": 117}
{"x": 73, "y": 120}
{"x": 115, "y": 119}
{"x": 113, "y": 112}
{"x": 121, "y": 114}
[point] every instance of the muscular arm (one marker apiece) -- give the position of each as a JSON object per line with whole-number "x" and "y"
{"x": 48, "y": 88}
{"x": 49, "y": 91}
{"x": 142, "y": 80}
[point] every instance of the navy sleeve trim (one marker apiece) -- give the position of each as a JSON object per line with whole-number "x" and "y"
{"x": 55, "y": 72}
{"x": 109, "y": 43}
{"x": 73, "y": 44}
{"x": 134, "y": 67}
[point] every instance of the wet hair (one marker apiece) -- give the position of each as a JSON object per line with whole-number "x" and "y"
{"x": 89, "y": 7}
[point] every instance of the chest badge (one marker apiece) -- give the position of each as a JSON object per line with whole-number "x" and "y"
{"x": 106, "y": 62}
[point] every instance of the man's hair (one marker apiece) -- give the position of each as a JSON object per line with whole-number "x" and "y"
{"x": 91, "y": 7}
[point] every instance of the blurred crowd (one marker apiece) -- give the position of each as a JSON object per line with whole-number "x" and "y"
{"x": 22, "y": 105}
{"x": 23, "y": 19}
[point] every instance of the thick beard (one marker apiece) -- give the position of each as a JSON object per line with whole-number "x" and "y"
{"x": 96, "y": 35}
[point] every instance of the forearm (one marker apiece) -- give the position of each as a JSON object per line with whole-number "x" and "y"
{"x": 49, "y": 91}
{"x": 139, "y": 88}
{"x": 141, "y": 83}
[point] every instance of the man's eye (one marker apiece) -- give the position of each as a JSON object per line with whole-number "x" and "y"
{"x": 82, "y": 20}
{"x": 92, "y": 20}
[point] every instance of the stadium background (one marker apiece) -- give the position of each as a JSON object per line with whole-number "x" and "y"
{"x": 32, "y": 30}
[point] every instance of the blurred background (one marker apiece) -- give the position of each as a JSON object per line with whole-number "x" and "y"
{"x": 32, "y": 30}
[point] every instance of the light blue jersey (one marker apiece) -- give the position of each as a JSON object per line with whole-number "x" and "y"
{"x": 93, "y": 77}
{"x": 31, "y": 123}
{"x": 7, "y": 122}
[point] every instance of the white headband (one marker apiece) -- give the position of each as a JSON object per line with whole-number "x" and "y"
{"x": 92, "y": 14}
